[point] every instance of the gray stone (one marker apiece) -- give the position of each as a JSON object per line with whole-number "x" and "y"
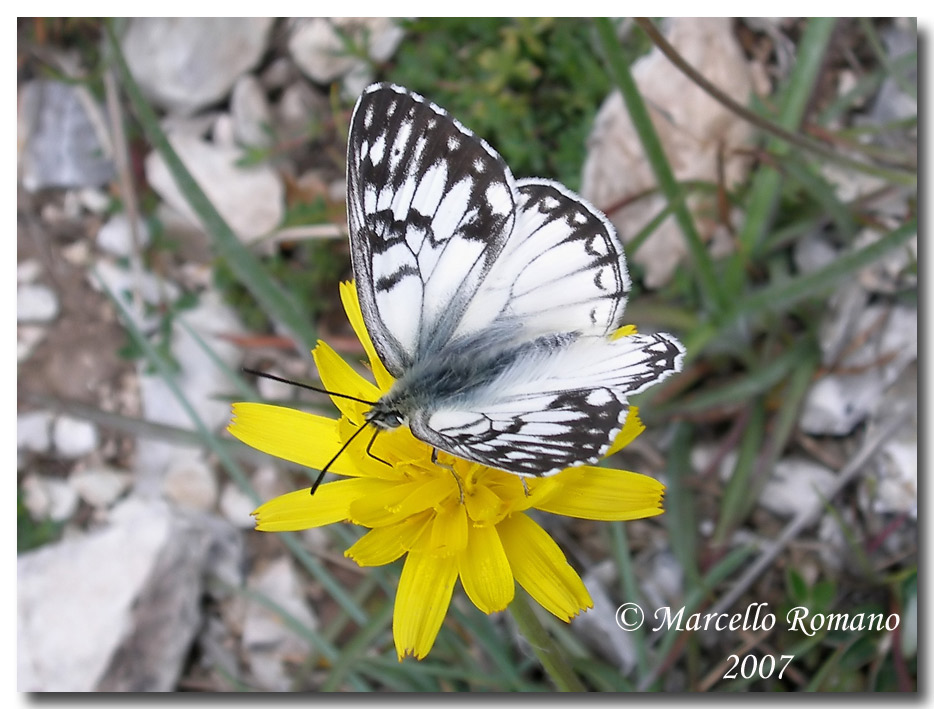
{"x": 187, "y": 63}
{"x": 267, "y": 640}
{"x": 34, "y": 431}
{"x": 35, "y": 303}
{"x": 115, "y": 236}
{"x": 250, "y": 199}
{"x": 49, "y": 498}
{"x": 63, "y": 145}
{"x": 319, "y": 50}
{"x": 73, "y": 437}
{"x": 252, "y": 117}
{"x": 100, "y": 487}
{"x": 115, "y": 610}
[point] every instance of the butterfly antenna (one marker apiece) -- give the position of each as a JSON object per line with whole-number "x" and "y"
{"x": 325, "y": 469}
{"x": 266, "y": 375}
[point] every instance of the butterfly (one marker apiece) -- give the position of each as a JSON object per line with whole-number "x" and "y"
{"x": 492, "y": 301}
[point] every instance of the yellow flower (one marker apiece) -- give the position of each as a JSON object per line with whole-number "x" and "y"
{"x": 473, "y": 527}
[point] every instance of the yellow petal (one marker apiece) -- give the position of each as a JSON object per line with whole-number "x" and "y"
{"x": 605, "y": 494}
{"x": 302, "y": 510}
{"x": 290, "y": 434}
{"x": 484, "y": 570}
{"x": 449, "y": 530}
{"x": 632, "y": 427}
{"x": 352, "y": 307}
{"x": 422, "y": 601}
{"x": 386, "y": 544}
{"x": 541, "y": 568}
{"x": 483, "y": 505}
{"x": 338, "y": 376}
{"x": 624, "y": 331}
{"x": 382, "y": 510}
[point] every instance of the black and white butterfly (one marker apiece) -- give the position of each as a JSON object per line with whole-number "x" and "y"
{"x": 491, "y": 300}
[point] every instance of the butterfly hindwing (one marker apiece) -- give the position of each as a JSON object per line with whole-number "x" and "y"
{"x": 553, "y": 407}
{"x": 430, "y": 207}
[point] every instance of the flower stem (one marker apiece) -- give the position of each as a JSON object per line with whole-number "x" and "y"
{"x": 553, "y": 659}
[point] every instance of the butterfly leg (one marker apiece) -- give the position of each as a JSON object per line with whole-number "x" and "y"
{"x": 460, "y": 485}
{"x": 371, "y": 453}
{"x": 525, "y": 486}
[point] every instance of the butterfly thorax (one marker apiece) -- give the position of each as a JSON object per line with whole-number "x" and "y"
{"x": 452, "y": 378}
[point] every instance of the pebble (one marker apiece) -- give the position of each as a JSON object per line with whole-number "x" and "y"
{"x": 115, "y": 236}
{"x": 33, "y": 431}
{"x": 73, "y": 437}
{"x": 35, "y": 303}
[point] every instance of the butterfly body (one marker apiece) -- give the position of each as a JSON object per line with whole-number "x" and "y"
{"x": 491, "y": 300}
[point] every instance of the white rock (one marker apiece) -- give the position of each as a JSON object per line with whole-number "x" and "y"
{"x": 35, "y": 303}
{"x": 34, "y": 431}
{"x": 690, "y": 125}
{"x": 268, "y": 642}
{"x": 73, "y": 437}
{"x": 115, "y": 236}
{"x": 114, "y": 610}
{"x": 251, "y": 199}
{"x": 796, "y": 485}
{"x": 251, "y": 114}
{"x": 28, "y": 270}
{"x": 120, "y": 281}
{"x": 184, "y": 64}
{"x": 49, "y": 498}
{"x": 837, "y": 402}
{"x": 100, "y": 487}
{"x": 223, "y": 132}
{"x": 61, "y": 141}
{"x": 891, "y": 273}
{"x": 897, "y": 490}
{"x": 203, "y": 383}
{"x": 77, "y": 253}
{"x": 664, "y": 582}
{"x": 892, "y": 485}
{"x": 279, "y": 74}
{"x": 94, "y": 200}
{"x": 296, "y": 111}
{"x": 236, "y": 507}
{"x": 319, "y": 50}
{"x": 597, "y": 628}
{"x": 28, "y": 338}
{"x": 190, "y": 483}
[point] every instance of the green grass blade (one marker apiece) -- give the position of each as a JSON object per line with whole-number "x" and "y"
{"x": 734, "y": 503}
{"x": 782, "y": 296}
{"x": 766, "y": 185}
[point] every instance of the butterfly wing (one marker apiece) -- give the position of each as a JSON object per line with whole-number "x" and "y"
{"x": 554, "y": 407}
{"x": 430, "y": 207}
{"x": 563, "y": 269}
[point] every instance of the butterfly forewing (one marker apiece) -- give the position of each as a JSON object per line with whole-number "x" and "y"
{"x": 430, "y": 207}
{"x": 561, "y": 270}
{"x": 490, "y": 301}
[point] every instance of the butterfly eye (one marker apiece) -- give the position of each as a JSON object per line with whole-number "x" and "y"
{"x": 388, "y": 419}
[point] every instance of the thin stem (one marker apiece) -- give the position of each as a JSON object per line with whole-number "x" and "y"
{"x": 553, "y": 659}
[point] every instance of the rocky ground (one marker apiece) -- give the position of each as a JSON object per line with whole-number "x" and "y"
{"x": 139, "y": 569}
